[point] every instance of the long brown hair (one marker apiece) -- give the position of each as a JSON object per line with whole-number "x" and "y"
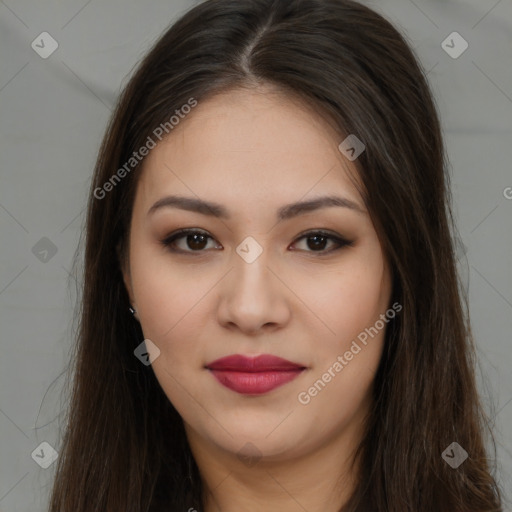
{"x": 124, "y": 447}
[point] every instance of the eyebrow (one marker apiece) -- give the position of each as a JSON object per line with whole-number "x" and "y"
{"x": 285, "y": 212}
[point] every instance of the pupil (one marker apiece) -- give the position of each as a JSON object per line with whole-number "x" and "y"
{"x": 195, "y": 240}
{"x": 316, "y": 245}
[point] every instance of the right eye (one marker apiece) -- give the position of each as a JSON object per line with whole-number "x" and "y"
{"x": 192, "y": 240}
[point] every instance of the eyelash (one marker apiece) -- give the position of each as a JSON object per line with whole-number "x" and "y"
{"x": 168, "y": 241}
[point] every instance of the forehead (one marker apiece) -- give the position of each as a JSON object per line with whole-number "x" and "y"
{"x": 256, "y": 142}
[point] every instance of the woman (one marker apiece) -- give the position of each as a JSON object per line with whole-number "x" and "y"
{"x": 271, "y": 313}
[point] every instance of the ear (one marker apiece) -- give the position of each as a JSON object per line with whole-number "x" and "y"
{"x": 124, "y": 265}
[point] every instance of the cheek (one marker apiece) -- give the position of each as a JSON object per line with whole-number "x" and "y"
{"x": 347, "y": 300}
{"x": 172, "y": 309}
{"x": 345, "y": 369}
{"x": 340, "y": 398}
{"x": 167, "y": 295}
{"x": 341, "y": 380}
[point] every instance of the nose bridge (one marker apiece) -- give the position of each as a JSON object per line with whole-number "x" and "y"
{"x": 252, "y": 296}
{"x": 251, "y": 272}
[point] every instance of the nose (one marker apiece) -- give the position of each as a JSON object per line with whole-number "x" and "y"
{"x": 253, "y": 298}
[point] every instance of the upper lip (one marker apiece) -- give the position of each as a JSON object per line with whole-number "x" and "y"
{"x": 262, "y": 363}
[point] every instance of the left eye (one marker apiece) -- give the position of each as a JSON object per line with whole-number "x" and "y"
{"x": 196, "y": 241}
{"x": 317, "y": 240}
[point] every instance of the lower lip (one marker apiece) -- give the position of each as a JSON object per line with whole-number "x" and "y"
{"x": 254, "y": 383}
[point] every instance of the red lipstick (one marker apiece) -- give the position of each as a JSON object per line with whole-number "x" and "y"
{"x": 254, "y": 375}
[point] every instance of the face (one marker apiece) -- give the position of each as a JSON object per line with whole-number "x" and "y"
{"x": 255, "y": 276}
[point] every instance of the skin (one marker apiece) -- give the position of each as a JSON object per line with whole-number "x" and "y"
{"x": 254, "y": 151}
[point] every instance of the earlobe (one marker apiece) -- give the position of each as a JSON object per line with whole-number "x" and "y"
{"x": 133, "y": 311}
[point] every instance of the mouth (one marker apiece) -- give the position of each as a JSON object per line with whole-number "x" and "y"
{"x": 254, "y": 375}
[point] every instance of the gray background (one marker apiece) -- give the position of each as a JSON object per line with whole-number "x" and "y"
{"x": 54, "y": 112}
